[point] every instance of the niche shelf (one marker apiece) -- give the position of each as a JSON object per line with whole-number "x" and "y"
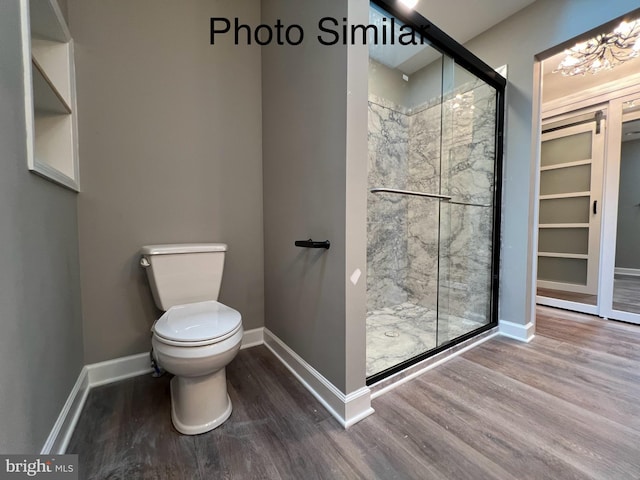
{"x": 50, "y": 97}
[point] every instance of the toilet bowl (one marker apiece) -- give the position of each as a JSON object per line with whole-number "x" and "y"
{"x": 196, "y": 342}
{"x": 197, "y": 336}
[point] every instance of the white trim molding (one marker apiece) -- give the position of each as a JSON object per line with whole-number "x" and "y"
{"x": 633, "y": 272}
{"x": 66, "y": 423}
{"x": 118, "y": 369}
{"x": 347, "y": 409}
{"x": 566, "y": 305}
{"x": 592, "y": 96}
{"x": 517, "y": 331}
{"x": 102, "y": 373}
{"x": 91, "y": 376}
{"x": 252, "y": 338}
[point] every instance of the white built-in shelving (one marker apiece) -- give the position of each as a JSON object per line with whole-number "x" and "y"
{"x": 50, "y": 93}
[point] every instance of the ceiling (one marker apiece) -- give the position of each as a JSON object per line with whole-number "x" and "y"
{"x": 460, "y": 19}
{"x": 465, "y": 19}
{"x": 555, "y": 85}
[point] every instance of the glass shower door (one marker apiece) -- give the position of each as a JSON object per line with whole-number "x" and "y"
{"x": 403, "y": 201}
{"x": 467, "y": 176}
{"x": 431, "y": 255}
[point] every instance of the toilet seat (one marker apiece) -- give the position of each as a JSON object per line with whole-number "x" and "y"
{"x": 197, "y": 324}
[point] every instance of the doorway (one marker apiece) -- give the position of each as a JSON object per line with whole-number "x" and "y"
{"x": 588, "y": 254}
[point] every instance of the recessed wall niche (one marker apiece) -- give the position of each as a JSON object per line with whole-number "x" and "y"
{"x": 50, "y": 98}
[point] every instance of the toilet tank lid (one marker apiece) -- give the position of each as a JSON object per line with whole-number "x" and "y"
{"x": 175, "y": 248}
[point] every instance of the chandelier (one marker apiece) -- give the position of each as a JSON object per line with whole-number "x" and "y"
{"x": 602, "y": 52}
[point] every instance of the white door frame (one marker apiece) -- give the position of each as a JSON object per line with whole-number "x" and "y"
{"x": 610, "y": 218}
{"x": 629, "y": 89}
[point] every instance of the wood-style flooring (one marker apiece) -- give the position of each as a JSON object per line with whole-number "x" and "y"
{"x": 565, "y": 406}
{"x": 626, "y": 294}
{"x": 569, "y": 296}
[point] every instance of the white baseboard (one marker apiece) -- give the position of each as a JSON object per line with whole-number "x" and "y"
{"x": 253, "y": 338}
{"x": 347, "y": 409}
{"x": 65, "y": 424}
{"x": 102, "y": 373}
{"x": 517, "y": 331}
{"x": 91, "y": 376}
{"x": 634, "y": 272}
{"x": 118, "y": 369}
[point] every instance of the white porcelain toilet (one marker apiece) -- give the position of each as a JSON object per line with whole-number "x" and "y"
{"x": 196, "y": 337}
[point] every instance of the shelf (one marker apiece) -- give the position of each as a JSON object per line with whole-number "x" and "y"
{"x": 50, "y": 107}
{"x": 579, "y": 256}
{"x": 53, "y": 58}
{"x": 46, "y": 97}
{"x": 563, "y": 225}
{"x": 558, "y": 166}
{"x": 556, "y": 196}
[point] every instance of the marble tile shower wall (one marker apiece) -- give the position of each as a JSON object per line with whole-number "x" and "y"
{"x": 466, "y": 230}
{"x": 425, "y": 132}
{"x": 404, "y": 152}
{"x": 387, "y": 259}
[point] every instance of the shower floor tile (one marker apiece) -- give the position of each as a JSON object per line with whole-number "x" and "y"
{"x": 400, "y": 332}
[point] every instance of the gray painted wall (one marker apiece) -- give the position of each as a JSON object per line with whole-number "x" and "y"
{"x": 627, "y": 241}
{"x": 170, "y": 147}
{"x": 433, "y": 80}
{"x": 422, "y": 86}
{"x": 426, "y": 84}
{"x": 315, "y": 186}
{"x": 41, "y": 340}
{"x": 515, "y": 42}
{"x": 356, "y": 203}
{"x": 388, "y": 83}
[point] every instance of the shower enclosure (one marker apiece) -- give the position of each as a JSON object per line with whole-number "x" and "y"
{"x": 435, "y": 130}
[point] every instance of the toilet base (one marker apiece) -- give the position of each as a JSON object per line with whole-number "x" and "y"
{"x": 199, "y": 404}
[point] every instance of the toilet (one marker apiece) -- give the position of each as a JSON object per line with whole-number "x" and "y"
{"x": 197, "y": 336}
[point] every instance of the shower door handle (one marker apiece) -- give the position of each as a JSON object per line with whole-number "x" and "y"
{"x": 410, "y": 192}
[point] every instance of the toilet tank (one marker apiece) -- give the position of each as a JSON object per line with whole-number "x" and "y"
{"x": 183, "y": 273}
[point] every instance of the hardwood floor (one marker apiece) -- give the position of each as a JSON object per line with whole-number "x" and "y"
{"x": 564, "y": 406}
{"x": 626, "y": 294}
{"x": 569, "y": 296}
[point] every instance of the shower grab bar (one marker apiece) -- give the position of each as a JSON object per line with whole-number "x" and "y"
{"x": 453, "y": 202}
{"x": 446, "y": 198}
{"x": 311, "y": 244}
{"x": 410, "y": 192}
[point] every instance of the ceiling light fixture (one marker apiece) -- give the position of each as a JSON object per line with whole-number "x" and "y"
{"x": 602, "y": 52}
{"x": 409, "y": 3}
